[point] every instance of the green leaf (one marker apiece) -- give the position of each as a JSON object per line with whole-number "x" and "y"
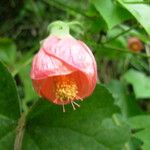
{"x": 89, "y": 127}
{"x": 94, "y": 26}
{"x": 139, "y": 64}
{"x": 142, "y": 122}
{"x": 140, "y": 83}
{"x": 112, "y": 13}
{"x": 7, "y": 51}
{"x": 9, "y": 109}
{"x": 126, "y": 102}
{"x": 27, "y": 84}
{"x": 139, "y": 11}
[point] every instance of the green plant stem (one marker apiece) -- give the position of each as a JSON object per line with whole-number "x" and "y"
{"x": 20, "y": 132}
{"x": 24, "y": 63}
{"x": 77, "y": 23}
{"x": 21, "y": 128}
{"x": 120, "y": 34}
{"x": 117, "y": 122}
{"x": 22, "y": 66}
{"x": 127, "y": 51}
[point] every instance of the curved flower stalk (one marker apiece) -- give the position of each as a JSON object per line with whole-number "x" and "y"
{"x": 64, "y": 69}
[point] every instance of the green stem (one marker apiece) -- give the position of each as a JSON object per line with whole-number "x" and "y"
{"x": 127, "y": 51}
{"x": 117, "y": 122}
{"x": 22, "y": 66}
{"x": 77, "y": 23}
{"x": 20, "y": 132}
{"x": 120, "y": 34}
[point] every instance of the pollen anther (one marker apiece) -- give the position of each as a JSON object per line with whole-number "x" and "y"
{"x": 66, "y": 89}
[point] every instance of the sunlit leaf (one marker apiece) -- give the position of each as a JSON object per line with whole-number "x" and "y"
{"x": 112, "y": 13}
{"x": 140, "y": 11}
{"x": 142, "y": 122}
{"x": 140, "y": 83}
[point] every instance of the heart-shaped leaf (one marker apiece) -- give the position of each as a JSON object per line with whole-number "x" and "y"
{"x": 9, "y": 109}
{"x": 89, "y": 127}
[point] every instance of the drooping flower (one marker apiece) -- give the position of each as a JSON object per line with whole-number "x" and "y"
{"x": 134, "y": 44}
{"x": 64, "y": 69}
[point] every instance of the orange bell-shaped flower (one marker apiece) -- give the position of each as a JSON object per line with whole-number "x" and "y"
{"x": 64, "y": 69}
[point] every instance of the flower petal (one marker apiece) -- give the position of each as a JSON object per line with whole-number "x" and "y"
{"x": 44, "y": 66}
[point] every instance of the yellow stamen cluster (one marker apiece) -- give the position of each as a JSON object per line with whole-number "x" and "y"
{"x": 66, "y": 89}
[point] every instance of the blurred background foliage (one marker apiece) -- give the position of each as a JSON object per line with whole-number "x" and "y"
{"x": 105, "y": 26}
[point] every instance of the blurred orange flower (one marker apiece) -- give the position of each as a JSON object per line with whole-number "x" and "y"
{"x": 134, "y": 44}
